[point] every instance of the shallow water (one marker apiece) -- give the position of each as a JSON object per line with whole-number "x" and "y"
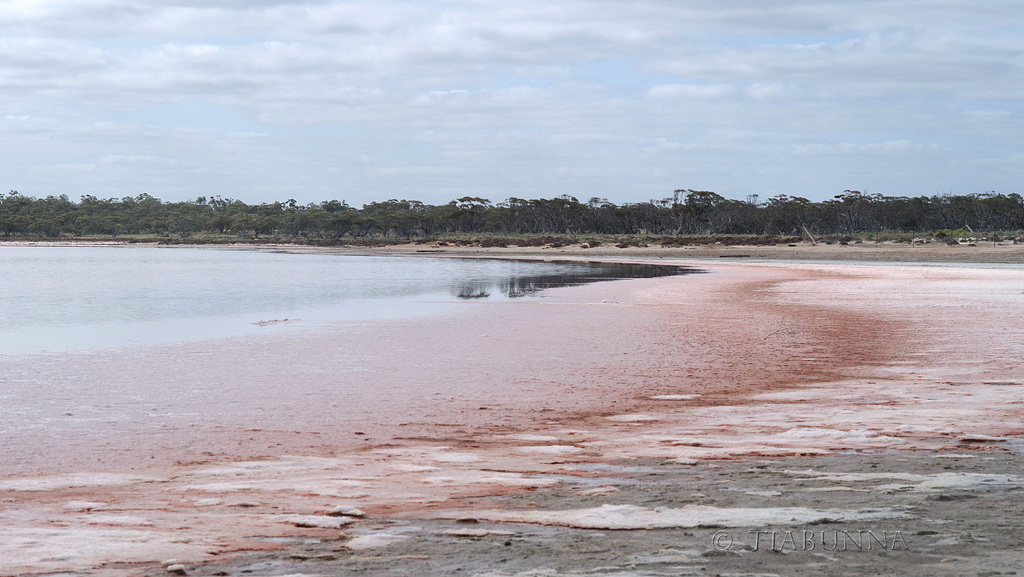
{"x": 76, "y": 298}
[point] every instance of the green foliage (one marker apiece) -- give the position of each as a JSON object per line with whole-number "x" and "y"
{"x": 688, "y": 217}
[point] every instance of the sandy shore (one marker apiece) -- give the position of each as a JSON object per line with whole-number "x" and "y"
{"x": 663, "y": 426}
{"x": 889, "y": 252}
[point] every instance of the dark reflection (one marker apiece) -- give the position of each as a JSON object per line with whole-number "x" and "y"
{"x": 564, "y": 273}
{"x": 473, "y": 290}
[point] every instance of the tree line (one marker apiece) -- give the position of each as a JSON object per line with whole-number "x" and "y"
{"x": 686, "y": 212}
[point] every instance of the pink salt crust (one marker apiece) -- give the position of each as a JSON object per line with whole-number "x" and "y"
{"x": 200, "y": 450}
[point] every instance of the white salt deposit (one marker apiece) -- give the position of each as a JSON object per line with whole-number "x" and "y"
{"x": 490, "y": 478}
{"x": 288, "y": 463}
{"x": 969, "y": 482}
{"x": 550, "y": 449}
{"x": 633, "y": 517}
{"x": 598, "y": 491}
{"x": 410, "y": 468}
{"x": 222, "y": 487}
{"x": 347, "y": 510}
{"x": 529, "y": 438}
{"x": 57, "y": 482}
{"x": 321, "y": 486}
{"x": 207, "y": 502}
{"x": 923, "y": 483}
{"x": 675, "y": 397}
{"x": 117, "y": 520}
{"x": 374, "y": 540}
{"x": 835, "y": 436}
{"x": 61, "y": 549}
{"x": 923, "y": 429}
{"x": 456, "y": 458}
{"x": 319, "y": 521}
{"x": 982, "y": 439}
{"x": 477, "y": 532}
{"x": 854, "y": 477}
{"x": 85, "y": 506}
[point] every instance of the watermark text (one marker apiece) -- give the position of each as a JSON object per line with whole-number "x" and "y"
{"x": 779, "y": 540}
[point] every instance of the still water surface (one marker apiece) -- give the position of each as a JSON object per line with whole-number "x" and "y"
{"x": 73, "y": 298}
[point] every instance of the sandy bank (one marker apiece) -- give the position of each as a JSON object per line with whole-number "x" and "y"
{"x": 540, "y": 414}
{"x": 932, "y": 251}
{"x": 887, "y": 252}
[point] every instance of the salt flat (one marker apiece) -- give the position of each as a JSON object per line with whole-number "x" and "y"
{"x": 762, "y": 396}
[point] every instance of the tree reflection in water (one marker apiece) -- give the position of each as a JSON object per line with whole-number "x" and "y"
{"x": 570, "y": 274}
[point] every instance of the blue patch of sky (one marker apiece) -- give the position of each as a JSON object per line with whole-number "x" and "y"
{"x": 622, "y": 75}
{"x": 1006, "y": 103}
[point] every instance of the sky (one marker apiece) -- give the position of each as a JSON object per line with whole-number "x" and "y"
{"x": 433, "y": 100}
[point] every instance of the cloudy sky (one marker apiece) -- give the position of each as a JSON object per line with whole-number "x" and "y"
{"x": 265, "y": 100}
